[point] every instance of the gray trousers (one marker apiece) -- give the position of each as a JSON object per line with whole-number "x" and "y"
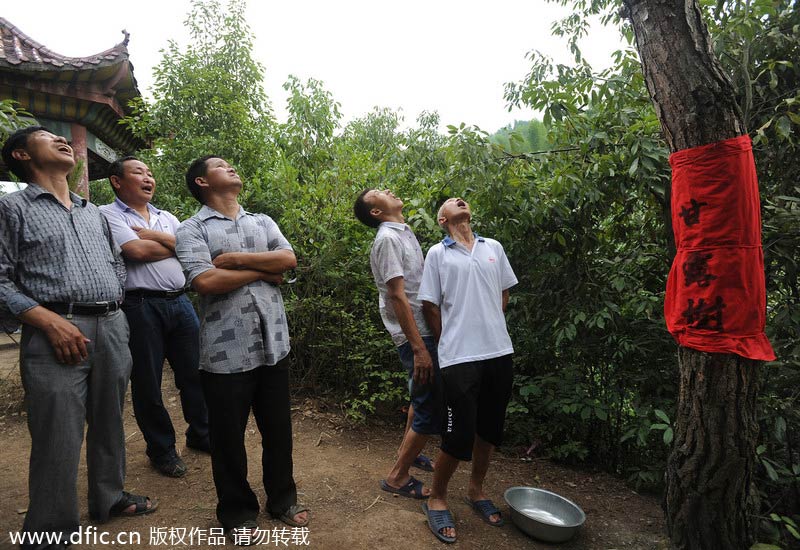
{"x": 59, "y": 399}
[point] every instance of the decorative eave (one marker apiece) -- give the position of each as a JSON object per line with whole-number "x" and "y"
{"x": 94, "y": 91}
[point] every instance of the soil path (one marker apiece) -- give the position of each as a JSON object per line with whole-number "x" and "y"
{"x": 338, "y": 468}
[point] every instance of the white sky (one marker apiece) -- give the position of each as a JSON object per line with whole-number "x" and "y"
{"x": 449, "y": 56}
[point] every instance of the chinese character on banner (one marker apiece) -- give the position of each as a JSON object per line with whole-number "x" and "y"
{"x": 695, "y": 269}
{"x": 691, "y": 215}
{"x": 707, "y": 316}
{"x": 716, "y": 292}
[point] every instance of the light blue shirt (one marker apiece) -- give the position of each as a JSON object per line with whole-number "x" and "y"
{"x": 467, "y": 286}
{"x": 165, "y": 274}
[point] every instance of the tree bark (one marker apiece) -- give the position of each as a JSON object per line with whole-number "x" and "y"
{"x": 709, "y": 502}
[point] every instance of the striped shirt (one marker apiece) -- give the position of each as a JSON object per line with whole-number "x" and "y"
{"x": 245, "y": 328}
{"x": 51, "y": 253}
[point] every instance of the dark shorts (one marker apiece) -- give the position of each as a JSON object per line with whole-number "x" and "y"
{"x": 427, "y": 399}
{"x": 476, "y": 397}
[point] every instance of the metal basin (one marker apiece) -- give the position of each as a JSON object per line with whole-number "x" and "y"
{"x": 544, "y": 515}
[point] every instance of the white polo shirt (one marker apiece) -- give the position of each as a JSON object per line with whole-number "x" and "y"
{"x": 468, "y": 286}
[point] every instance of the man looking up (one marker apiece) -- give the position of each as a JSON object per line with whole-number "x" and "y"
{"x": 62, "y": 277}
{"x": 162, "y": 320}
{"x": 464, "y": 293}
{"x": 396, "y": 261}
{"x": 234, "y": 259}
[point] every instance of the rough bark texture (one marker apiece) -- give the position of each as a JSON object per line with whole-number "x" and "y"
{"x": 709, "y": 499}
{"x": 710, "y": 470}
{"x": 693, "y": 97}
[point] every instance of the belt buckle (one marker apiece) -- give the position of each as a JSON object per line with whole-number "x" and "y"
{"x": 106, "y": 305}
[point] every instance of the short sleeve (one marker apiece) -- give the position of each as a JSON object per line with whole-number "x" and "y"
{"x": 171, "y": 221}
{"x": 430, "y": 290}
{"x": 275, "y": 239}
{"x": 119, "y": 227}
{"x": 507, "y": 276}
{"x": 387, "y": 259}
{"x": 191, "y": 249}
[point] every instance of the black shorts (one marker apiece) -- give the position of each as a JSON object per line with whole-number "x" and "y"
{"x": 476, "y": 397}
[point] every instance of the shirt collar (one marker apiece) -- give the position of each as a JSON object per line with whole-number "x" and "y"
{"x": 449, "y": 241}
{"x": 35, "y": 191}
{"x": 124, "y": 207}
{"x": 395, "y": 225}
{"x": 206, "y": 212}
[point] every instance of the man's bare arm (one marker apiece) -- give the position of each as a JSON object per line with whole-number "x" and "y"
{"x": 433, "y": 317}
{"x": 166, "y": 240}
{"x": 140, "y": 250}
{"x": 423, "y": 364}
{"x": 274, "y": 261}
{"x": 222, "y": 281}
{"x": 505, "y": 299}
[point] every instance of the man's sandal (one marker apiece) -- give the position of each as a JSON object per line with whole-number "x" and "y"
{"x": 127, "y": 500}
{"x": 412, "y": 489}
{"x": 288, "y": 516}
{"x": 438, "y": 521}
{"x": 486, "y": 509}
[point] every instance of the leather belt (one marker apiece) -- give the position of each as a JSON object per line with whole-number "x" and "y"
{"x": 145, "y": 293}
{"x": 82, "y": 308}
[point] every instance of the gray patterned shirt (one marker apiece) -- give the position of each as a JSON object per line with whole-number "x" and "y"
{"x": 396, "y": 253}
{"x": 245, "y": 328}
{"x": 49, "y": 253}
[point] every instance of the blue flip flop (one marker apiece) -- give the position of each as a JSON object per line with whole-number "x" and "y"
{"x": 438, "y": 520}
{"x": 423, "y": 463}
{"x": 486, "y": 508}
{"x": 412, "y": 489}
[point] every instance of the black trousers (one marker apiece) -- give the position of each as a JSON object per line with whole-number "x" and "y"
{"x": 230, "y": 398}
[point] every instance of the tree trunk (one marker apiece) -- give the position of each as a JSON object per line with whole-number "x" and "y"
{"x": 709, "y": 501}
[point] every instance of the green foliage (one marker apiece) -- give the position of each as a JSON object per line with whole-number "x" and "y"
{"x": 11, "y": 118}
{"x": 208, "y": 98}
{"x": 758, "y": 43}
{"x": 612, "y": 187}
{"x": 521, "y": 137}
{"x": 585, "y": 226}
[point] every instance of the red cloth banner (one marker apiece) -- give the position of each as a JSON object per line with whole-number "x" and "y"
{"x": 716, "y": 294}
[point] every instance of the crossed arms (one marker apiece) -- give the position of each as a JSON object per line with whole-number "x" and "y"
{"x": 151, "y": 246}
{"x": 234, "y": 270}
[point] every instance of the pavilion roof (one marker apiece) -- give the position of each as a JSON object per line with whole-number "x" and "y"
{"x": 93, "y": 90}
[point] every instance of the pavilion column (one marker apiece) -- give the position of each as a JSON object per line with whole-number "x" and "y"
{"x": 79, "y": 147}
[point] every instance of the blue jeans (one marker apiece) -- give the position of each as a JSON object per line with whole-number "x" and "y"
{"x": 165, "y": 328}
{"x": 426, "y": 398}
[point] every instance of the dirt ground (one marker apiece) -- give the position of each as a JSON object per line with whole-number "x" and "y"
{"x": 338, "y": 467}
